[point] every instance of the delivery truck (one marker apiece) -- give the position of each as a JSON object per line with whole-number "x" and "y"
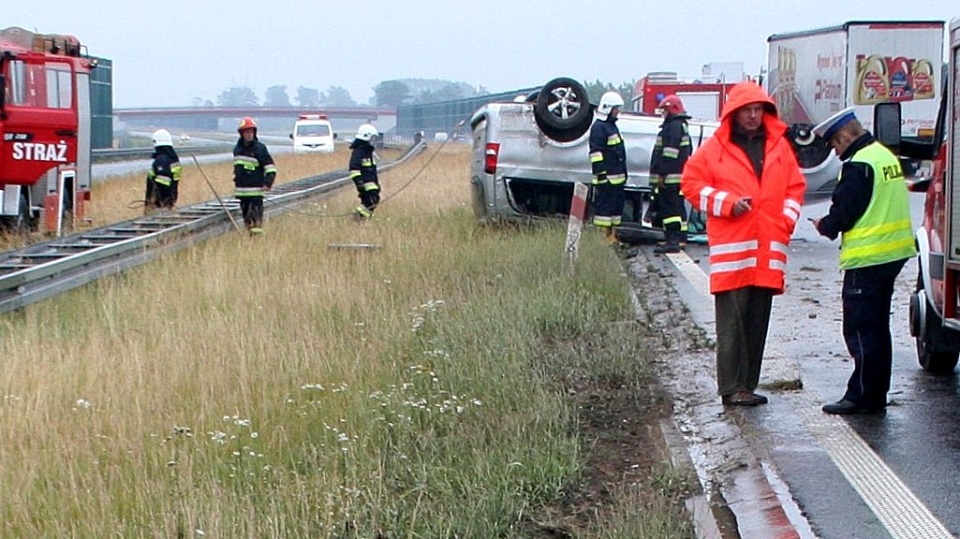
{"x": 814, "y": 74}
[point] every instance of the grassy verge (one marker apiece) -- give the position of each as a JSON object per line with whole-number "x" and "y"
{"x": 437, "y": 386}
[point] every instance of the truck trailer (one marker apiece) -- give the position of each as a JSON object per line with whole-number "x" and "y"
{"x": 814, "y": 74}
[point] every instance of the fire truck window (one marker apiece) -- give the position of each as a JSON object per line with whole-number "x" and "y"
{"x": 59, "y": 89}
{"x": 16, "y": 84}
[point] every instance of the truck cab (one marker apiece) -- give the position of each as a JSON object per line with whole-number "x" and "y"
{"x": 934, "y": 314}
{"x": 45, "y": 129}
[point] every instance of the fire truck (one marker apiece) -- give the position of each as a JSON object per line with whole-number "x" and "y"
{"x": 935, "y": 304}
{"x": 45, "y": 129}
{"x": 703, "y": 98}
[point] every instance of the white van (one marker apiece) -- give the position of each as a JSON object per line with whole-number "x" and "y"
{"x": 312, "y": 133}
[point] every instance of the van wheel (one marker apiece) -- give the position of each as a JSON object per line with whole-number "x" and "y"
{"x": 810, "y": 150}
{"x": 562, "y": 103}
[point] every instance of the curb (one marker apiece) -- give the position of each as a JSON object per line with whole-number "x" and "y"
{"x": 742, "y": 496}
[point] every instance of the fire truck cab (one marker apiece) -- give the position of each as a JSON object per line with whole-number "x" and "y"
{"x": 45, "y": 124}
{"x": 703, "y": 98}
{"x": 934, "y": 312}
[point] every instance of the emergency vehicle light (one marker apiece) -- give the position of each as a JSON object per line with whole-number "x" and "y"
{"x": 313, "y": 116}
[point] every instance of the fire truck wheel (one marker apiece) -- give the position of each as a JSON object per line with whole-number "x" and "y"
{"x": 23, "y": 222}
{"x": 562, "y": 103}
{"x": 934, "y": 351}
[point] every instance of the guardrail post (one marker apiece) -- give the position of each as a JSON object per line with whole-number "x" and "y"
{"x": 578, "y": 213}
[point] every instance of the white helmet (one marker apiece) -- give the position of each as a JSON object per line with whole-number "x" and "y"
{"x": 161, "y": 137}
{"x": 608, "y": 101}
{"x": 366, "y": 132}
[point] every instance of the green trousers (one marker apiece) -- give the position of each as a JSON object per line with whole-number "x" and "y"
{"x": 743, "y": 316}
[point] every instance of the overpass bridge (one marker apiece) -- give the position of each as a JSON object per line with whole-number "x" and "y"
{"x": 270, "y": 119}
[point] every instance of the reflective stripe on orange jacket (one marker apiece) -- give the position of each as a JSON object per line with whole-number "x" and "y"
{"x": 749, "y": 250}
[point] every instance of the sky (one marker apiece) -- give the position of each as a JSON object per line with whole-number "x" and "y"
{"x": 167, "y": 54}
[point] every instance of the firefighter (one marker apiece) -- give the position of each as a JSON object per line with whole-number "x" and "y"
{"x": 253, "y": 175}
{"x": 670, "y": 153}
{"x": 608, "y": 158}
{"x": 870, "y": 211}
{"x": 363, "y": 171}
{"x": 163, "y": 180}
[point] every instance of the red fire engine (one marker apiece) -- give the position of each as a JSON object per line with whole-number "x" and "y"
{"x": 703, "y": 100}
{"x": 935, "y": 305}
{"x": 45, "y": 123}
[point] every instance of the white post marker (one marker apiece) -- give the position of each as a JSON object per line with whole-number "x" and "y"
{"x": 578, "y": 213}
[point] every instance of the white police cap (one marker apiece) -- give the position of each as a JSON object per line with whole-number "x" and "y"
{"x": 829, "y": 127}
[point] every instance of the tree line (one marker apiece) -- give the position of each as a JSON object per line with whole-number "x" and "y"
{"x": 387, "y": 94}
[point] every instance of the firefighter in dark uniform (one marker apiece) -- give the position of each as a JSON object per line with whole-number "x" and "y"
{"x": 670, "y": 153}
{"x": 363, "y": 171}
{"x": 870, "y": 211}
{"x": 253, "y": 175}
{"x": 608, "y": 158}
{"x": 163, "y": 179}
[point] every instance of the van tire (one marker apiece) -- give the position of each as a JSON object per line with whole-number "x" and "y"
{"x": 562, "y": 104}
{"x": 809, "y": 155}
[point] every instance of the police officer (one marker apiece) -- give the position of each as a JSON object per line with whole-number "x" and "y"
{"x": 670, "y": 153}
{"x": 163, "y": 180}
{"x": 608, "y": 158}
{"x": 253, "y": 175}
{"x": 870, "y": 211}
{"x": 363, "y": 171}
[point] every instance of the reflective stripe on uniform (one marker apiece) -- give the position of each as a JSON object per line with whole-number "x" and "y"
{"x": 736, "y": 247}
{"x": 248, "y": 163}
{"x": 791, "y": 209}
{"x": 241, "y": 192}
{"x": 672, "y": 179}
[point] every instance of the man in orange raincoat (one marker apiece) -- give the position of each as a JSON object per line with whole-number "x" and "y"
{"x": 747, "y": 181}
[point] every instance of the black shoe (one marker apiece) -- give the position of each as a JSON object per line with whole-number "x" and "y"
{"x": 845, "y": 407}
{"x": 663, "y": 249}
{"x": 743, "y": 398}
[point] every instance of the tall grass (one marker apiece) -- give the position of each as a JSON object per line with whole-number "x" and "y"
{"x": 275, "y": 387}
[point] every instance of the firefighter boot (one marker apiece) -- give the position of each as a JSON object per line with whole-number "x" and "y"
{"x": 609, "y": 236}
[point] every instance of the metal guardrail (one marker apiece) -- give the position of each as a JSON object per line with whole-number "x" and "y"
{"x": 115, "y": 154}
{"x": 50, "y": 268}
{"x": 110, "y": 154}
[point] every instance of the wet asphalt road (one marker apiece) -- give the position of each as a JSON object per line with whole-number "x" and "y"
{"x": 851, "y": 489}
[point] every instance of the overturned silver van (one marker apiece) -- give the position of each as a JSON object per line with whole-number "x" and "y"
{"x": 528, "y": 153}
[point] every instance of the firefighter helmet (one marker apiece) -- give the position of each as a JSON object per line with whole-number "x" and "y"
{"x": 608, "y": 102}
{"x": 247, "y": 123}
{"x": 672, "y": 104}
{"x": 366, "y": 132}
{"x": 161, "y": 137}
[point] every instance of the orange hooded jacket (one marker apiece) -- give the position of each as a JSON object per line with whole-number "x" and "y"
{"x": 749, "y": 250}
